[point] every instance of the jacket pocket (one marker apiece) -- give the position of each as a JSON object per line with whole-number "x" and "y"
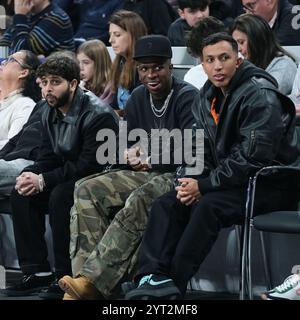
{"x": 260, "y": 146}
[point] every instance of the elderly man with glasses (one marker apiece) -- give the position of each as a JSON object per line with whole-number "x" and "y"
{"x": 282, "y": 17}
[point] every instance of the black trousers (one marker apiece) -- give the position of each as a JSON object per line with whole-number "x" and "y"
{"x": 29, "y": 228}
{"x": 179, "y": 237}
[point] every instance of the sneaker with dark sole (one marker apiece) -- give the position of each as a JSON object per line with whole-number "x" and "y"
{"x": 154, "y": 287}
{"x": 128, "y": 286}
{"x": 29, "y": 284}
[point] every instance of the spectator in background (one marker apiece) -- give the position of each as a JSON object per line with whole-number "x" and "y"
{"x": 125, "y": 27}
{"x": 19, "y": 96}
{"x": 190, "y": 12}
{"x": 40, "y": 27}
{"x": 19, "y": 92}
{"x": 67, "y": 153}
{"x": 157, "y": 14}
{"x": 205, "y": 27}
{"x": 259, "y": 45}
{"x": 95, "y": 67}
{"x": 174, "y": 4}
{"x": 90, "y": 17}
{"x": 280, "y": 17}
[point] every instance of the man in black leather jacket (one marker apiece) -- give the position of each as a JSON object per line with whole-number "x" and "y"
{"x": 67, "y": 153}
{"x": 247, "y": 125}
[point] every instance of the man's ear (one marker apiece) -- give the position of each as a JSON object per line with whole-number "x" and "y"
{"x": 181, "y": 14}
{"x": 171, "y": 66}
{"x": 23, "y": 74}
{"x": 73, "y": 85}
{"x": 238, "y": 62}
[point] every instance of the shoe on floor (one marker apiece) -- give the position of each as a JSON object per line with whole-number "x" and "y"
{"x": 128, "y": 286}
{"x": 288, "y": 290}
{"x": 154, "y": 287}
{"x": 29, "y": 284}
{"x": 53, "y": 292}
{"x": 68, "y": 297}
{"x": 79, "y": 288}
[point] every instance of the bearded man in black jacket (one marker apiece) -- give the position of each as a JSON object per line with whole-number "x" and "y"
{"x": 69, "y": 126}
{"x": 248, "y": 124}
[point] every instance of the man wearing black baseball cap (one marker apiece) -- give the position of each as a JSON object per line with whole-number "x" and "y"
{"x": 162, "y": 102}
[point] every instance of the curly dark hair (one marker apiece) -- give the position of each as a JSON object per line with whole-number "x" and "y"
{"x": 62, "y": 65}
{"x": 30, "y": 88}
{"x": 204, "y": 28}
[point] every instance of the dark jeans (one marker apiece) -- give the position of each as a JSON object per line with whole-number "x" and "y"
{"x": 29, "y": 228}
{"x": 179, "y": 237}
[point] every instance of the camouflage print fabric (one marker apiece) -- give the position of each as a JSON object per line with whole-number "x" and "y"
{"x": 108, "y": 219}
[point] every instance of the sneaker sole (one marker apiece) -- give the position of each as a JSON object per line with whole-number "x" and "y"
{"x": 146, "y": 294}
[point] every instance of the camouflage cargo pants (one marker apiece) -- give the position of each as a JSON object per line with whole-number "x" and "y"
{"x": 108, "y": 219}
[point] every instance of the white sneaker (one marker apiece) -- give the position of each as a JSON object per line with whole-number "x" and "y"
{"x": 288, "y": 290}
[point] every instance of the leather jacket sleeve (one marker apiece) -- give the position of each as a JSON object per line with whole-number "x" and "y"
{"x": 258, "y": 138}
{"x": 56, "y": 171}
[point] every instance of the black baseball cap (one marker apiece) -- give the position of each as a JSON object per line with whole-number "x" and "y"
{"x": 153, "y": 46}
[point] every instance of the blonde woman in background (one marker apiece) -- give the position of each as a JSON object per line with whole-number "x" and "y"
{"x": 95, "y": 67}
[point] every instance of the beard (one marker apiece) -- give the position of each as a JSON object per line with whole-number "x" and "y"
{"x": 58, "y": 102}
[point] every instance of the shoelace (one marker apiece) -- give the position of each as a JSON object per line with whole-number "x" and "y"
{"x": 288, "y": 283}
{"x": 145, "y": 279}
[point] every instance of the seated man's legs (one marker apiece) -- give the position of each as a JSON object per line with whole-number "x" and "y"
{"x": 178, "y": 238}
{"x": 115, "y": 254}
{"x": 9, "y": 171}
{"x": 29, "y": 228}
{"x": 96, "y": 201}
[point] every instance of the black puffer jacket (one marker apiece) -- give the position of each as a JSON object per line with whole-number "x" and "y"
{"x": 256, "y": 128}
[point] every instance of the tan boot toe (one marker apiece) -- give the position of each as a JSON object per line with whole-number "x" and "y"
{"x": 79, "y": 288}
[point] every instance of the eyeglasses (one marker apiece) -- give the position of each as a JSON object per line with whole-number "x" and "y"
{"x": 13, "y": 59}
{"x": 250, "y": 6}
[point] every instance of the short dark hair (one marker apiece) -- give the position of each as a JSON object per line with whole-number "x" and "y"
{"x": 193, "y": 4}
{"x": 62, "y": 65}
{"x": 218, "y": 37}
{"x": 204, "y": 28}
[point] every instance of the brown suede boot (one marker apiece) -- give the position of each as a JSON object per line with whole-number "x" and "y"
{"x": 79, "y": 288}
{"x": 68, "y": 297}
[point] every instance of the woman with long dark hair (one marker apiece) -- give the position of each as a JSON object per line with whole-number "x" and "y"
{"x": 259, "y": 45}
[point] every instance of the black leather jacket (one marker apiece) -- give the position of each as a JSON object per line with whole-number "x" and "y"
{"x": 256, "y": 128}
{"x": 68, "y": 149}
